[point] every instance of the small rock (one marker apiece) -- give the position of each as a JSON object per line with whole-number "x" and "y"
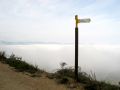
{"x": 72, "y": 86}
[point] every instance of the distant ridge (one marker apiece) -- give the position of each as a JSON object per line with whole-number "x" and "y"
{"x": 28, "y": 43}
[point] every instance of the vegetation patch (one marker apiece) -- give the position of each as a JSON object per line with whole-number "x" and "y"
{"x": 19, "y": 64}
{"x": 65, "y": 75}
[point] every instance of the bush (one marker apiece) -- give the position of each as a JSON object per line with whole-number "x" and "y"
{"x": 68, "y": 72}
{"x": 2, "y": 55}
{"x": 100, "y": 86}
{"x": 18, "y": 64}
{"x": 63, "y": 80}
{"x": 84, "y": 78}
{"x": 64, "y": 75}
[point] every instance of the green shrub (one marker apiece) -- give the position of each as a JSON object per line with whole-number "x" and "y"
{"x": 18, "y": 63}
{"x": 100, "y": 86}
{"x": 64, "y": 75}
{"x": 65, "y": 72}
{"x": 83, "y": 78}
{"x": 63, "y": 80}
{"x": 2, "y": 55}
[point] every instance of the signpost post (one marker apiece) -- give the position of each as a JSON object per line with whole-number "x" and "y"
{"x": 87, "y": 20}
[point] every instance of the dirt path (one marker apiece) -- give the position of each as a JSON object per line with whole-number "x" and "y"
{"x": 12, "y": 80}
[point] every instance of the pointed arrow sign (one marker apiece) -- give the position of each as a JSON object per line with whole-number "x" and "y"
{"x": 87, "y": 20}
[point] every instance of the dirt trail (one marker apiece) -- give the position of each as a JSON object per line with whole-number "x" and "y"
{"x": 12, "y": 80}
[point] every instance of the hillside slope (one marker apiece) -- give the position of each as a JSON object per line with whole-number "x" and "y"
{"x": 12, "y": 80}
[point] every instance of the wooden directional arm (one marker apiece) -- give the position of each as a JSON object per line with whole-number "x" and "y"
{"x": 86, "y": 20}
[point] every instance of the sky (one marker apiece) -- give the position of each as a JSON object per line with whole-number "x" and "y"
{"x": 54, "y": 21}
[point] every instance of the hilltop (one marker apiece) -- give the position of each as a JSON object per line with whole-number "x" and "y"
{"x": 16, "y": 74}
{"x": 12, "y": 80}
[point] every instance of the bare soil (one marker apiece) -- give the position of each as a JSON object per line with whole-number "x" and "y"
{"x": 12, "y": 80}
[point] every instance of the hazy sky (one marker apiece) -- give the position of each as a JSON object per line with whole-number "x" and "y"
{"x": 53, "y": 21}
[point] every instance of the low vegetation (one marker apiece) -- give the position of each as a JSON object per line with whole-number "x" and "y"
{"x": 89, "y": 82}
{"x": 18, "y": 63}
{"x": 64, "y": 75}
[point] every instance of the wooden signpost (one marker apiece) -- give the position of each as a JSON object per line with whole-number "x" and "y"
{"x": 87, "y": 20}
